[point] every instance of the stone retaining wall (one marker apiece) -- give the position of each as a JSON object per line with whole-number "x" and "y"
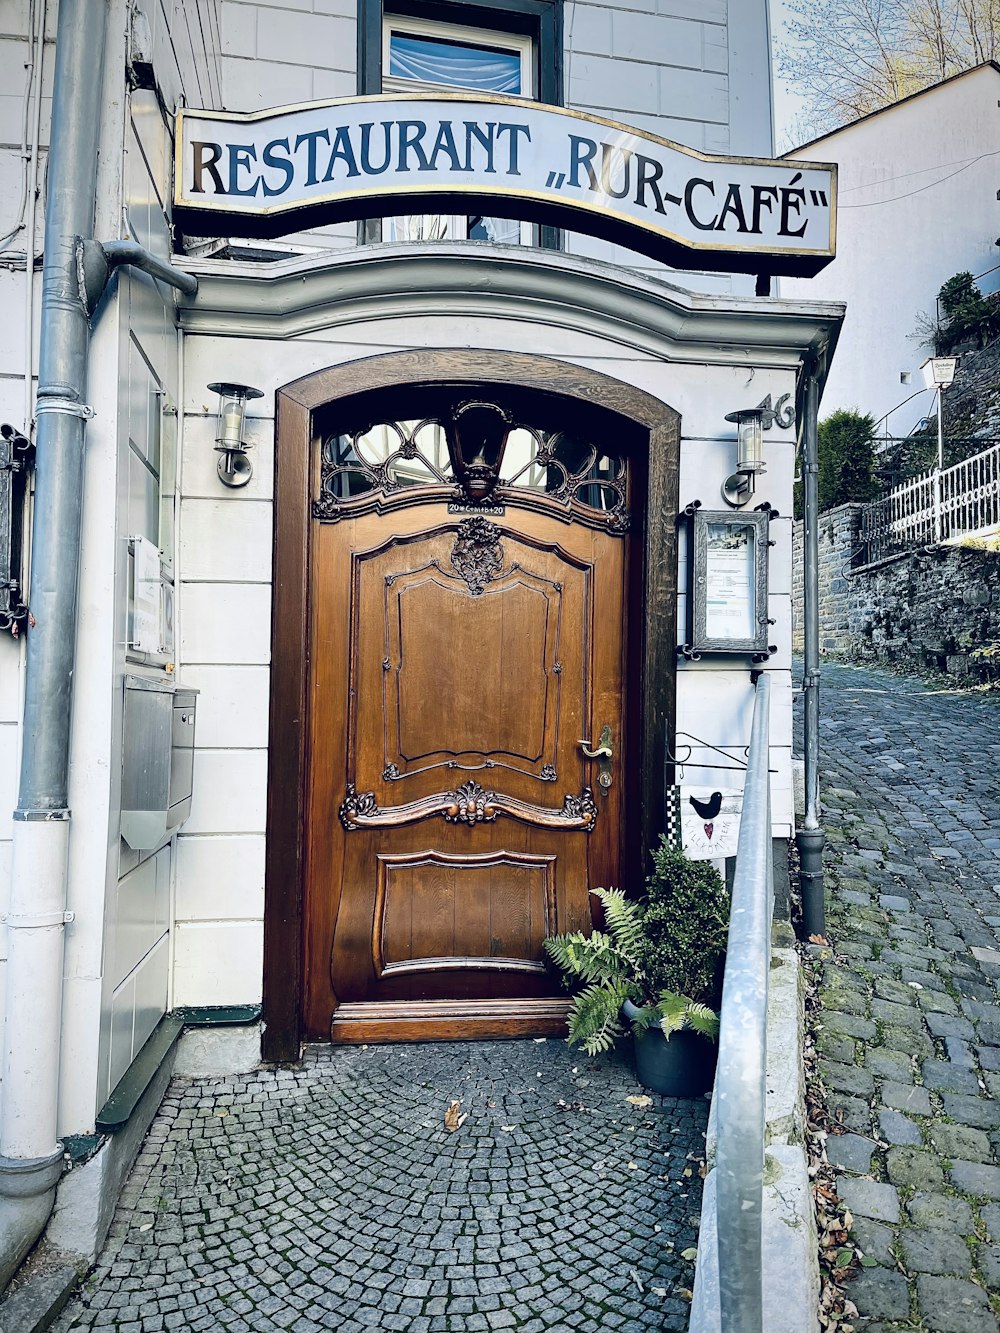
{"x": 930, "y": 608}
{"x": 838, "y": 542}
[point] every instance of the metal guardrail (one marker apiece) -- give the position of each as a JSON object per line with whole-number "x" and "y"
{"x": 934, "y": 506}
{"x": 739, "y": 1096}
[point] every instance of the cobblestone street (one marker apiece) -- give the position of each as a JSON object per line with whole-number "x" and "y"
{"x": 332, "y": 1197}
{"x": 910, "y": 1029}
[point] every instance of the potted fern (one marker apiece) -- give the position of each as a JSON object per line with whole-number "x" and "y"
{"x": 656, "y": 966}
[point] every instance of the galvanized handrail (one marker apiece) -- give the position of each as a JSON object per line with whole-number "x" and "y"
{"x": 740, "y": 1080}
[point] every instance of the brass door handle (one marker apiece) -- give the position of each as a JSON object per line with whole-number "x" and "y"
{"x": 604, "y": 753}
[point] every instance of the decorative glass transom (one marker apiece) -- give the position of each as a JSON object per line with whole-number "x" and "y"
{"x": 477, "y": 455}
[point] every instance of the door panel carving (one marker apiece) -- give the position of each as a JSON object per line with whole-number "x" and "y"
{"x": 489, "y": 913}
{"x": 505, "y": 644}
{"x": 462, "y": 681}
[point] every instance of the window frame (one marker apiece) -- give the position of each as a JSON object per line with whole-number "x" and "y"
{"x": 539, "y": 20}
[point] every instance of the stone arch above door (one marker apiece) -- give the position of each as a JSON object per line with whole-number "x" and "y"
{"x": 297, "y": 404}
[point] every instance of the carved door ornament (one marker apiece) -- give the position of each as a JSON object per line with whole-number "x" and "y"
{"x": 477, "y": 555}
{"x": 468, "y": 804}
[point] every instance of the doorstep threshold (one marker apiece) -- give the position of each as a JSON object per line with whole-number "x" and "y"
{"x": 115, "y": 1112}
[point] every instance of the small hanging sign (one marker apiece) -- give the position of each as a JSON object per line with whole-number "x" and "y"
{"x": 704, "y": 821}
{"x": 147, "y": 591}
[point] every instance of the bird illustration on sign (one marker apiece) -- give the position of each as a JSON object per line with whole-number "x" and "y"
{"x": 710, "y": 822}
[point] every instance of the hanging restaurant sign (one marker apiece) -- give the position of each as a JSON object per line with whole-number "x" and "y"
{"x": 278, "y": 171}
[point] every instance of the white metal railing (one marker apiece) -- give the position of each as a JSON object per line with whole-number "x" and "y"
{"x": 735, "y": 1305}
{"x": 934, "y": 507}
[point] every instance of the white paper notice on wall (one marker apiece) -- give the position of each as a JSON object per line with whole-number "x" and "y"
{"x": 146, "y": 611}
{"x": 710, "y": 822}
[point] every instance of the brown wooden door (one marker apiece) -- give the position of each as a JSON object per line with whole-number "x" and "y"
{"x": 457, "y": 661}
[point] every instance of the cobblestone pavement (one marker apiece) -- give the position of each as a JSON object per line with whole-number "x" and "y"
{"x": 332, "y": 1197}
{"x": 910, "y": 1035}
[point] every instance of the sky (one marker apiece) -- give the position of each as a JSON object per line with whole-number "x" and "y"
{"x": 787, "y": 103}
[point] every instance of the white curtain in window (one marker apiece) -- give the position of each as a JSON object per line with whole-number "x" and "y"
{"x": 454, "y": 65}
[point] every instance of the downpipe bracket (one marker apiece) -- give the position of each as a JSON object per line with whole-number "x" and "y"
{"x": 67, "y": 405}
{"x": 35, "y": 921}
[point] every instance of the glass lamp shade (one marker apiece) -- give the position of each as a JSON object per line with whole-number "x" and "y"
{"x": 231, "y": 418}
{"x": 939, "y": 371}
{"x": 749, "y": 439}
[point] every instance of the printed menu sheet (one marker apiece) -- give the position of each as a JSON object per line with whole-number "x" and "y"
{"x": 730, "y": 612}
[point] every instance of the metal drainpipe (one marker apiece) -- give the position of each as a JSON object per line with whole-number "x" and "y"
{"x": 810, "y": 839}
{"x": 30, "y": 1153}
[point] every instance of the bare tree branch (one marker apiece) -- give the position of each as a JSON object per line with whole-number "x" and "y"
{"x": 851, "y": 57}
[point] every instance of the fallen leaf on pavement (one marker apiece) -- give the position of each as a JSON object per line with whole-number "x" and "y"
{"x": 640, "y": 1101}
{"x": 455, "y": 1117}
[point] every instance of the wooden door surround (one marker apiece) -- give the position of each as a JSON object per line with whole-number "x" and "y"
{"x": 653, "y": 428}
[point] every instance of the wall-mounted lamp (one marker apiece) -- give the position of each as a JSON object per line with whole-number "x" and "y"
{"x": 738, "y": 488}
{"x": 235, "y": 469}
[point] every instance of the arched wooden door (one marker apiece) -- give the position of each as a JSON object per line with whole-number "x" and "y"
{"x": 473, "y": 702}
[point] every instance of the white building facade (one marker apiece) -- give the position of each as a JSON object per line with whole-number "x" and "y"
{"x": 218, "y": 612}
{"x": 917, "y": 204}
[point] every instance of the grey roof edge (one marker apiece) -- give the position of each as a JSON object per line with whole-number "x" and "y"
{"x": 308, "y": 293}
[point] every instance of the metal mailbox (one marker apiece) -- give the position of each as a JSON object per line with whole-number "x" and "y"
{"x": 157, "y": 761}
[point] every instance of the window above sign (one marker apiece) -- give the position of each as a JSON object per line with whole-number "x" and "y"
{"x": 511, "y": 48}
{"x": 420, "y": 55}
{"x": 433, "y": 60}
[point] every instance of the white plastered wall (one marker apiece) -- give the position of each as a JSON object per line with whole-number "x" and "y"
{"x": 117, "y": 985}
{"x": 225, "y": 545}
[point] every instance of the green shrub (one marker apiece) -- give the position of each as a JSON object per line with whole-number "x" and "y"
{"x": 684, "y": 926}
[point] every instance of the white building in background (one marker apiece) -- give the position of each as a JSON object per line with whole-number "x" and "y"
{"x": 917, "y": 204}
{"x": 256, "y": 775}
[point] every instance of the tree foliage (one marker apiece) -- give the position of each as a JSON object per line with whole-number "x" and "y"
{"x": 852, "y": 57}
{"x": 964, "y": 315}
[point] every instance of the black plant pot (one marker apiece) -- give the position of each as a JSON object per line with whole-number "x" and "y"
{"x": 681, "y": 1065}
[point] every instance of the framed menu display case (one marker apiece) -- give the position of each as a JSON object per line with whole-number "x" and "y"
{"x": 727, "y": 583}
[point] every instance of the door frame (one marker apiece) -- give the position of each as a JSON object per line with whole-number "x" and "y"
{"x": 655, "y": 643}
